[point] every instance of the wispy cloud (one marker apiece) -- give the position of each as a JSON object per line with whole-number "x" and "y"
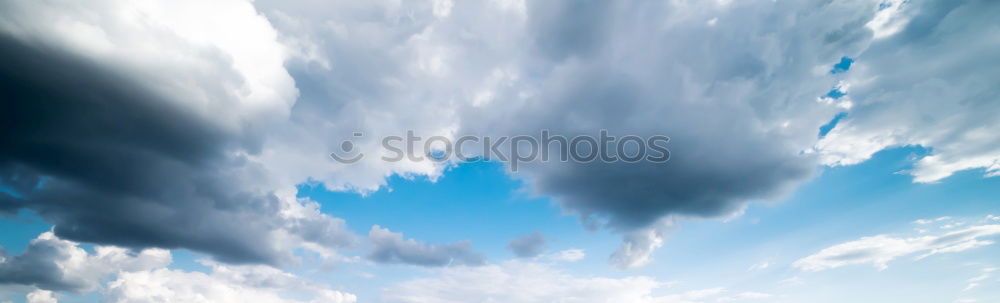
{"x": 881, "y": 249}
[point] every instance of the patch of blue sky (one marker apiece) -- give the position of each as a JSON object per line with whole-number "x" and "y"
{"x": 829, "y": 126}
{"x": 843, "y": 66}
{"x": 19, "y": 229}
{"x": 836, "y": 93}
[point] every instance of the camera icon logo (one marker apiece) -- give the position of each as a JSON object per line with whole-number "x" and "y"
{"x": 348, "y": 154}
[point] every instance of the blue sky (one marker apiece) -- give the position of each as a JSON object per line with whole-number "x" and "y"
{"x": 193, "y": 151}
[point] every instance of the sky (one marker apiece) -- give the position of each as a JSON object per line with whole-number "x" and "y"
{"x": 192, "y": 151}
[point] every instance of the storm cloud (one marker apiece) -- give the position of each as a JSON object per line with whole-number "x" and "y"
{"x": 98, "y": 149}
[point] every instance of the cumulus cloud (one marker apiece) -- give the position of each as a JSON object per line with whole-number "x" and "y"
{"x": 247, "y": 283}
{"x": 881, "y": 249}
{"x": 390, "y": 247}
{"x": 51, "y": 263}
{"x": 738, "y": 96}
{"x": 136, "y": 124}
{"x": 528, "y": 246}
{"x": 726, "y": 95}
{"x": 527, "y": 282}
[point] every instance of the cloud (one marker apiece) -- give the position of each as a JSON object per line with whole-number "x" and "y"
{"x": 745, "y": 296}
{"x": 528, "y": 246}
{"x": 142, "y": 133}
{"x": 759, "y": 266}
{"x": 248, "y": 283}
{"x": 390, "y": 247}
{"x": 924, "y": 85}
{"x": 527, "y": 282}
{"x": 929, "y": 221}
{"x": 51, "y": 263}
{"x": 41, "y": 296}
{"x": 569, "y": 255}
{"x": 738, "y": 110}
{"x": 977, "y": 280}
{"x": 638, "y": 245}
{"x": 881, "y": 249}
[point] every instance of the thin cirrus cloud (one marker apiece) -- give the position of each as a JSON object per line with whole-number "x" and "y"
{"x": 530, "y": 282}
{"x": 879, "y": 250}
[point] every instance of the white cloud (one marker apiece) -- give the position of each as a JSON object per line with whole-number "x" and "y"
{"x": 929, "y": 221}
{"x": 638, "y": 246}
{"x": 55, "y": 264}
{"x": 889, "y": 20}
{"x": 881, "y": 249}
{"x": 793, "y": 281}
{"x": 568, "y": 255}
{"x": 52, "y": 263}
{"x": 41, "y": 296}
{"x": 759, "y": 266}
{"x": 745, "y": 296}
{"x": 977, "y": 280}
{"x": 224, "y": 284}
{"x": 526, "y": 282}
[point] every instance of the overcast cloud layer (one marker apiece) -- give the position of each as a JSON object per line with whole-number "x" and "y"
{"x": 188, "y": 124}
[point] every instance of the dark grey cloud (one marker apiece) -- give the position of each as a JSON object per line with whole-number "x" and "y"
{"x": 391, "y": 247}
{"x": 569, "y": 28}
{"x": 735, "y": 91}
{"x": 528, "y": 246}
{"x": 115, "y": 163}
{"x": 106, "y": 160}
